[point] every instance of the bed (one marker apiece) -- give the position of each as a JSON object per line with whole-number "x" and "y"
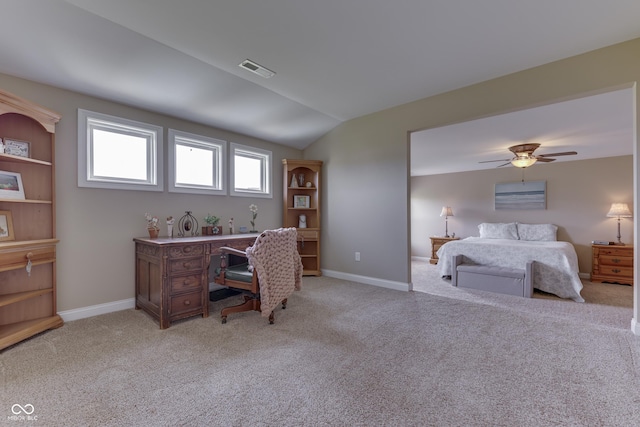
{"x": 512, "y": 245}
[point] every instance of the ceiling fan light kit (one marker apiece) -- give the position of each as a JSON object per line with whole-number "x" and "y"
{"x": 523, "y": 162}
{"x": 524, "y": 156}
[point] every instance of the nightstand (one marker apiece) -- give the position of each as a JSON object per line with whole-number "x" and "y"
{"x": 436, "y": 242}
{"x": 612, "y": 263}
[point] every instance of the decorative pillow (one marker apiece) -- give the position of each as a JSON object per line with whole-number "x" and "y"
{"x": 538, "y": 232}
{"x": 498, "y": 231}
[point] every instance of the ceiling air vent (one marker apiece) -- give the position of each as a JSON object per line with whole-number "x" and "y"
{"x": 257, "y": 69}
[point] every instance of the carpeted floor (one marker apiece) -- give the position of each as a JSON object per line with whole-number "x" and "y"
{"x": 605, "y": 304}
{"x": 341, "y": 354}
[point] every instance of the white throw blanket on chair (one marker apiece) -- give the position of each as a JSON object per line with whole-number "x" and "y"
{"x": 274, "y": 256}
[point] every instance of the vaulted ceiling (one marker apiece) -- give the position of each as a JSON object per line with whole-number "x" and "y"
{"x": 334, "y": 59}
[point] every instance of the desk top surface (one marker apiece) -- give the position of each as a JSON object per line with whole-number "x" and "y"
{"x": 161, "y": 241}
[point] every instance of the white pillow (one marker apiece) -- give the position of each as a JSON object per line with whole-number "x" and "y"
{"x": 498, "y": 231}
{"x": 538, "y": 232}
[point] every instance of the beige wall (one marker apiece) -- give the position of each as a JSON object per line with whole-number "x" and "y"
{"x": 366, "y": 199}
{"x": 96, "y": 226}
{"x": 579, "y": 195}
{"x": 366, "y": 196}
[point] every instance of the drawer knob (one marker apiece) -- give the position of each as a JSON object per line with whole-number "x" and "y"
{"x": 615, "y": 270}
{"x": 186, "y": 264}
{"x": 187, "y": 302}
{"x": 188, "y": 249}
{"x": 185, "y": 282}
{"x": 616, "y": 260}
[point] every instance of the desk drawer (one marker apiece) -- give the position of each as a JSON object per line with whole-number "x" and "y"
{"x": 185, "y": 303}
{"x": 187, "y": 264}
{"x": 614, "y": 260}
{"x": 183, "y": 283}
{"x": 186, "y": 251}
{"x": 18, "y": 257}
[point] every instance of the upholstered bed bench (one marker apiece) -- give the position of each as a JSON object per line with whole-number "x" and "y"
{"x": 511, "y": 281}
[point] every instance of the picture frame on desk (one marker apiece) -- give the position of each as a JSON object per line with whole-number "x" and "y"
{"x": 16, "y": 148}
{"x": 6, "y": 226}
{"x": 11, "y": 185}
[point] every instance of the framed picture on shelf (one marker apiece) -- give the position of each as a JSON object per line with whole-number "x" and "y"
{"x": 6, "y": 226}
{"x": 300, "y": 201}
{"x": 11, "y": 185}
{"x": 16, "y": 148}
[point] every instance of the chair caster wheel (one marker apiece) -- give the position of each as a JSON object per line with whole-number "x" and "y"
{"x": 224, "y": 320}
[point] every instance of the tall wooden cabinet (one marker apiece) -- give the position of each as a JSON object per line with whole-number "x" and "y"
{"x": 301, "y": 197}
{"x": 28, "y": 244}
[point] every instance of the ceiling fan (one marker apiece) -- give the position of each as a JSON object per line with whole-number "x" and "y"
{"x": 524, "y": 156}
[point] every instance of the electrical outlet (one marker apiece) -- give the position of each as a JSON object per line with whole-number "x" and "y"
{"x": 357, "y": 256}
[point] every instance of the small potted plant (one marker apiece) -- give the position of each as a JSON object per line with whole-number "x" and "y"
{"x": 212, "y": 228}
{"x": 152, "y": 225}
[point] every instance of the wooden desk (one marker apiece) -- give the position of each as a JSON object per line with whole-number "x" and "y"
{"x": 436, "y": 242}
{"x": 172, "y": 274}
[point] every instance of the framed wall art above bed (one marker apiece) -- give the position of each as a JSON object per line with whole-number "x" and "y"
{"x": 521, "y": 195}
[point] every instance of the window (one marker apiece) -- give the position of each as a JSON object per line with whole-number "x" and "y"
{"x": 250, "y": 171}
{"x": 118, "y": 153}
{"x": 196, "y": 163}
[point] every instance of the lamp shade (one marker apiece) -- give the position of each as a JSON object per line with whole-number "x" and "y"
{"x": 619, "y": 210}
{"x": 446, "y": 211}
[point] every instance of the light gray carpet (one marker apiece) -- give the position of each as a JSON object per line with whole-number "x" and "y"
{"x": 341, "y": 354}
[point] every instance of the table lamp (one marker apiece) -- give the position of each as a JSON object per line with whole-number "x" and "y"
{"x": 446, "y": 213}
{"x": 619, "y": 210}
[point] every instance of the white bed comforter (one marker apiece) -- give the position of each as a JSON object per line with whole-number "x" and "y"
{"x": 555, "y": 270}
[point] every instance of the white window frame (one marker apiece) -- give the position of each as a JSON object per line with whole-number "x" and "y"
{"x": 265, "y": 157}
{"x": 90, "y": 120}
{"x": 219, "y": 151}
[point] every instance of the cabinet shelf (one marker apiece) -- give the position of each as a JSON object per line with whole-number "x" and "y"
{"x": 28, "y": 300}
{"x": 42, "y": 202}
{"x": 27, "y": 243}
{"x": 308, "y": 237}
{"x": 21, "y": 296}
{"x": 18, "y": 159}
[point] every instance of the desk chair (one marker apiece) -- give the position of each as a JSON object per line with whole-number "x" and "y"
{"x": 272, "y": 272}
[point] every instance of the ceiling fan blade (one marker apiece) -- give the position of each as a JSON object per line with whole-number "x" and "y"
{"x": 544, "y": 159}
{"x": 565, "y": 153}
{"x": 505, "y": 164}
{"x": 491, "y": 161}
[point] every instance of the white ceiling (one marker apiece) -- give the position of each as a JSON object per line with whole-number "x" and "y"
{"x": 334, "y": 59}
{"x": 594, "y": 126}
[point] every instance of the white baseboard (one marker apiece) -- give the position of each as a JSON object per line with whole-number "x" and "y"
{"x": 398, "y": 286}
{"x": 95, "y": 310}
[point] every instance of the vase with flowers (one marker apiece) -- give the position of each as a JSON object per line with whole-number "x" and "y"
{"x": 254, "y": 214}
{"x": 152, "y": 225}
